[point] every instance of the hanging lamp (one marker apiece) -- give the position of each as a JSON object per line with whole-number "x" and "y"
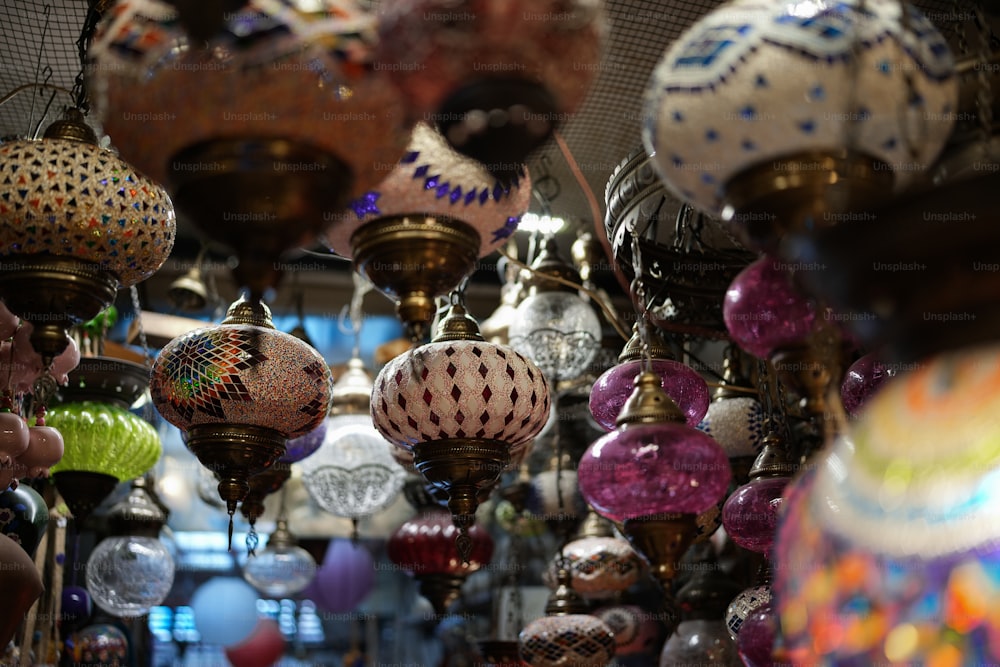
{"x": 220, "y": 385}
{"x": 465, "y": 407}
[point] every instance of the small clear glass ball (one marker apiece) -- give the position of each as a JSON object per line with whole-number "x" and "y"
{"x": 280, "y": 571}
{"x": 128, "y": 576}
{"x": 559, "y": 331}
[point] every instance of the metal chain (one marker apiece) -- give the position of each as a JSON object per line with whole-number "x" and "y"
{"x": 984, "y": 91}
{"x": 638, "y": 287}
{"x": 143, "y": 341}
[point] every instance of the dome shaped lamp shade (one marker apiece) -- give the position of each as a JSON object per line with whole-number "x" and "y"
{"x": 292, "y": 118}
{"x": 219, "y": 384}
{"x": 419, "y": 232}
{"x": 76, "y": 223}
{"x": 496, "y": 77}
{"x": 780, "y": 115}
{"x": 425, "y": 547}
{"x": 898, "y": 527}
{"x": 654, "y": 475}
{"x": 465, "y": 407}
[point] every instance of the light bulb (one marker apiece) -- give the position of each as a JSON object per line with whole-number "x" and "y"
{"x": 129, "y": 575}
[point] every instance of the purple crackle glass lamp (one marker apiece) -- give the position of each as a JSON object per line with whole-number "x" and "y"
{"x": 683, "y": 385}
{"x": 755, "y": 641}
{"x": 863, "y": 378}
{"x": 751, "y": 512}
{"x": 653, "y": 475}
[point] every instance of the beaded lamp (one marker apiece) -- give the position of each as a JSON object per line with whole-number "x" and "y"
{"x": 600, "y": 564}
{"x": 465, "y": 407}
{"x": 780, "y": 115}
{"x": 496, "y": 77}
{"x": 567, "y": 634}
{"x": 890, "y": 541}
{"x": 291, "y": 117}
{"x": 76, "y": 223}
{"x": 219, "y": 385}
{"x": 418, "y": 233}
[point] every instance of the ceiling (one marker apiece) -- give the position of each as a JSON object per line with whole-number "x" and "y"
{"x": 38, "y": 44}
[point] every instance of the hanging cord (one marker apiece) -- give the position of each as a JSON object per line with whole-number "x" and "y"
{"x": 638, "y": 288}
{"x": 90, "y": 21}
{"x": 147, "y": 357}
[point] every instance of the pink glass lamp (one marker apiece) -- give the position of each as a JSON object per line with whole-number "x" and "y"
{"x": 654, "y": 475}
{"x": 465, "y": 407}
{"x": 863, "y": 379}
{"x": 684, "y": 386}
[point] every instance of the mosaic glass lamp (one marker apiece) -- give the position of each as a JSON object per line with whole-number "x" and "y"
{"x": 465, "y": 407}
{"x": 735, "y": 418}
{"x": 263, "y": 131}
{"x": 497, "y": 78}
{"x": 418, "y": 233}
{"x": 219, "y": 384}
{"x": 76, "y": 223}
{"x": 889, "y": 543}
{"x": 567, "y": 634}
{"x": 780, "y": 115}
{"x": 600, "y": 564}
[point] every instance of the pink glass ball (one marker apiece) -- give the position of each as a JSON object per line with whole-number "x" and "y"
{"x": 764, "y": 311}
{"x": 863, "y": 378}
{"x": 750, "y": 515}
{"x": 649, "y": 469}
{"x": 755, "y": 641}
{"x": 683, "y": 385}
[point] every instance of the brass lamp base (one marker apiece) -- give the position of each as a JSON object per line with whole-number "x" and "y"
{"x": 262, "y": 485}
{"x": 801, "y": 193}
{"x": 106, "y": 380}
{"x": 413, "y": 259}
{"x": 662, "y": 541}
{"x": 440, "y": 590}
{"x": 261, "y": 197}
{"x": 54, "y": 293}
{"x": 463, "y": 467}
{"x": 234, "y": 452}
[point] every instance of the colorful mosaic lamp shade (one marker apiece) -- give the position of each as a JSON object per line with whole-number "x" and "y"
{"x": 240, "y": 390}
{"x": 425, "y": 548}
{"x": 599, "y": 566}
{"x": 76, "y": 223}
{"x": 567, "y": 634}
{"x": 890, "y": 543}
{"x": 495, "y": 77}
{"x": 654, "y": 475}
{"x": 779, "y": 114}
{"x": 465, "y": 407}
{"x": 263, "y": 134}
{"x": 419, "y": 232}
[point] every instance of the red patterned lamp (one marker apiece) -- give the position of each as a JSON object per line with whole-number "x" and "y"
{"x": 240, "y": 390}
{"x": 76, "y": 223}
{"x": 425, "y": 548}
{"x": 465, "y": 407}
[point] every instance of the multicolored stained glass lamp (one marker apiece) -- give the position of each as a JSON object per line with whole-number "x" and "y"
{"x": 496, "y": 78}
{"x": 219, "y": 384}
{"x": 888, "y": 548}
{"x": 781, "y": 115}
{"x": 567, "y": 634}
{"x": 683, "y": 384}
{"x": 465, "y": 407}
{"x": 425, "y": 548}
{"x": 291, "y": 117}
{"x": 600, "y": 564}
{"x": 654, "y": 475}
{"x": 76, "y": 223}
{"x": 420, "y": 231}
{"x": 353, "y": 474}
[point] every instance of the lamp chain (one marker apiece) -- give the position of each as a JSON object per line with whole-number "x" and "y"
{"x": 638, "y": 287}
{"x": 147, "y": 358}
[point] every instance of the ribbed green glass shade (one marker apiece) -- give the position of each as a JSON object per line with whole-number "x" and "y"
{"x": 104, "y": 438}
